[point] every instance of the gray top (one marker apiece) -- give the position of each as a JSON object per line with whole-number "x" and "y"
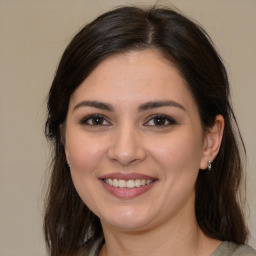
{"x": 232, "y": 249}
{"x": 225, "y": 249}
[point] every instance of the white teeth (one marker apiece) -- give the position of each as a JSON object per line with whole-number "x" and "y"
{"x": 122, "y": 184}
{"x": 137, "y": 183}
{"x": 130, "y": 184}
{"x": 115, "y": 183}
{"x": 127, "y": 184}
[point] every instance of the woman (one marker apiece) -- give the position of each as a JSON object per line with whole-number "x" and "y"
{"x": 146, "y": 161}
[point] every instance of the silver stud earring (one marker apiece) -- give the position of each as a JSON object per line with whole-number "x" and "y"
{"x": 68, "y": 164}
{"x": 209, "y": 165}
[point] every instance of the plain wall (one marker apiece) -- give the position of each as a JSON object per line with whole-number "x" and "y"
{"x": 33, "y": 35}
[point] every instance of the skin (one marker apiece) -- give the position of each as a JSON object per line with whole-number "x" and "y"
{"x": 129, "y": 140}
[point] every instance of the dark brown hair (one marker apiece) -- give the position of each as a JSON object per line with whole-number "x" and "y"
{"x": 68, "y": 222}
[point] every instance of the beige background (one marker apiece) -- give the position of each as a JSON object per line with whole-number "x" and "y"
{"x": 33, "y": 35}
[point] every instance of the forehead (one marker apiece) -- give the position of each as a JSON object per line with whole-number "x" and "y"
{"x": 135, "y": 76}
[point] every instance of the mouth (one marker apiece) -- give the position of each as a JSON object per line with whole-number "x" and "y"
{"x": 127, "y": 186}
{"x": 131, "y": 183}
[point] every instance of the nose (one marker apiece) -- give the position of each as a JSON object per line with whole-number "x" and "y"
{"x": 126, "y": 147}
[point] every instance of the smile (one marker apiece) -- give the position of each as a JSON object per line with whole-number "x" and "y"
{"x": 132, "y": 183}
{"x": 127, "y": 185}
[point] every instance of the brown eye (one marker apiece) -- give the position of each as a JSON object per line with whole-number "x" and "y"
{"x": 95, "y": 120}
{"x": 160, "y": 120}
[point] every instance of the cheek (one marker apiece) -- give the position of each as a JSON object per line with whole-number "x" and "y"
{"x": 180, "y": 152}
{"x": 85, "y": 155}
{"x": 83, "y": 152}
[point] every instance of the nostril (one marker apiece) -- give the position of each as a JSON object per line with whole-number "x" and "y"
{"x": 125, "y": 156}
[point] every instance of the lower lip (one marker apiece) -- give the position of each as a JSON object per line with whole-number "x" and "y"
{"x": 127, "y": 193}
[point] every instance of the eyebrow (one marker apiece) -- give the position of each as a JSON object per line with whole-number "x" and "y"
{"x": 158, "y": 104}
{"x": 143, "y": 107}
{"x": 94, "y": 104}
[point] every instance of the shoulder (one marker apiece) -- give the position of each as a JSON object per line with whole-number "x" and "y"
{"x": 233, "y": 249}
{"x": 244, "y": 250}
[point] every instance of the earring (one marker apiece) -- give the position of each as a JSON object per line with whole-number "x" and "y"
{"x": 68, "y": 164}
{"x": 209, "y": 165}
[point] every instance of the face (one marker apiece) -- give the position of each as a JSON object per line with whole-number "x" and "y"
{"x": 134, "y": 141}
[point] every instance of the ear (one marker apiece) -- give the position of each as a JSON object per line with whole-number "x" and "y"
{"x": 212, "y": 142}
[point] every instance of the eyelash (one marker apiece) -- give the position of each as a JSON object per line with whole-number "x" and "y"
{"x": 104, "y": 122}
{"x": 85, "y": 121}
{"x": 161, "y": 117}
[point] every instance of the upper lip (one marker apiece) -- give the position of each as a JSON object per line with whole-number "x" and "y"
{"x": 127, "y": 176}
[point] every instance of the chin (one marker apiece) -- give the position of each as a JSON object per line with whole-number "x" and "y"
{"x": 127, "y": 220}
